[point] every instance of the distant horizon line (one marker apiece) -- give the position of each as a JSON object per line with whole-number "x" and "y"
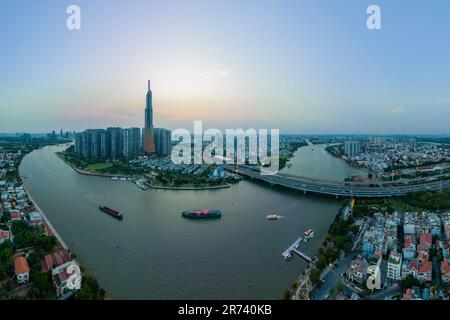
{"x": 284, "y": 134}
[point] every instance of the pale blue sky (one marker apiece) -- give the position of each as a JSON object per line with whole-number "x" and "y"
{"x": 300, "y": 66}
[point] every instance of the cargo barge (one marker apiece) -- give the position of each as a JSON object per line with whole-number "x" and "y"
{"x": 111, "y": 212}
{"x": 202, "y": 214}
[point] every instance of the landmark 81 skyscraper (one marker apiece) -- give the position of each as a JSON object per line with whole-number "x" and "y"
{"x": 149, "y": 143}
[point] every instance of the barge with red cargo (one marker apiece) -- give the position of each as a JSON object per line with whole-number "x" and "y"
{"x": 111, "y": 212}
{"x": 202, "y": 214}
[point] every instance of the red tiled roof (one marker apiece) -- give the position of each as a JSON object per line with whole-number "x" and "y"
{"x": 426, "y": 238}
{"x": 15, "y": 215}
{"x": 21, "y": 265}
{"x": 60, "y": 257}
{"x": 48, "y": 262}
{"x": 426, "y": 267}
{"x": 445, "y": 267}
{"x": 63, "y": 276}
{"x": 413, "y": 265}
{"x": 409, "y": 242}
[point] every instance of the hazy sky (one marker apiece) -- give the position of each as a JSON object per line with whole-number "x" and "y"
{"x": 300, "y": 66}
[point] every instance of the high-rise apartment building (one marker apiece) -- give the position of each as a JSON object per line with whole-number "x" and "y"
{"x": 413, "y": 144}
{"x": 111, "y": 143}
{"x": 162, "y": 141}
{"x": 105, "y": 144}
{"x": 351, "y": 148}
{"x": 131, "y": 142}
{"x": 116, "y": 136}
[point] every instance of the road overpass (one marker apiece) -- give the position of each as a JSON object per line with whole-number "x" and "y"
{"x": 338, "y": 189}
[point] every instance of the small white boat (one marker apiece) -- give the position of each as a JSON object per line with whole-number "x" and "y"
{"x": 114, "y": 178}
{"x": 309, "y": 234}
{"x": 273, "y": 217}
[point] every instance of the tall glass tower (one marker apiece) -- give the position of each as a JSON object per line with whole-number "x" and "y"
{"x": 149, "y": 108}
{"x": 149, "y": 143}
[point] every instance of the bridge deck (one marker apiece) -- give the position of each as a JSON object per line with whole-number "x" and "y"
{"x": 346, "y": 189}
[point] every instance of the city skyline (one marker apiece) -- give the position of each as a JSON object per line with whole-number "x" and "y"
{"x": 303, "y": 67}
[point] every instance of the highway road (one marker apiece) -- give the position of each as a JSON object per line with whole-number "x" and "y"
{"x": 338, "y": 189}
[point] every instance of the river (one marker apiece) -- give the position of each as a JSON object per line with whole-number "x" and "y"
{"x": 154, "y": 253}
{"x": 315, "y": 162}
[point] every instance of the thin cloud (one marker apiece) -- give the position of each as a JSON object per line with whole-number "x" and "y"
{"x": 219, "y": 70}
{"x": 398, "y": 110}
{"x": 222, "y": 71}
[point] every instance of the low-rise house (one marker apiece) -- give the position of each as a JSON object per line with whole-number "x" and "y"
{"x": 358, "y": 271}
{"x": 35, "y": 218}
{"x": 425, "y": 272}
{"x": 445, "y": 271}
{"x": 435, "y": 224}
{"x": 447, "y": 229}
{"x": 15, "y": 215}
{"x": 22, "y": 269}
{"x": 409, "y": 247}
{"x": 411, "y": 268}
{"x": 67, "y": 277}
{"x": 47, "y": 263}
{"x": 425, "y": 242}
{"x": 412, "y": 294}
{"x": 411, "y": 224}
{"x": 54, "y": 259}
{"x": 4, "y": 235}
{"x": 374, "y": 240}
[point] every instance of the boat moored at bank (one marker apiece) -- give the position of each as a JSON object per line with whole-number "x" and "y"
{"x": 309, "y": 234}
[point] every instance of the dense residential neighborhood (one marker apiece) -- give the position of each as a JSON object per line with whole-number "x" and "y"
{"x": 383, "y": 253}
{"x": 34, "y": 261}
{"x": 394, "y": 158}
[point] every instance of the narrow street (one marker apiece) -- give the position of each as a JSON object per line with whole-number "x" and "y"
{"x": 332, "y": 278}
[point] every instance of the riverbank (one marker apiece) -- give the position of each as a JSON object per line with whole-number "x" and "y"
{"x": 331, "y": 149}
{"x": 188, "y": 188}
{"x": 89, "y": 173}
{"x": 149, "y": 185}
{"x": 47, "y": 221}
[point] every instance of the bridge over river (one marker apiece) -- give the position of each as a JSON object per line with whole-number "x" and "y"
{"x": 339, "y": 189}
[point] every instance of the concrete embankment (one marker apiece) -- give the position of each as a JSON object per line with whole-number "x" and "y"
{"x": 189, "y": 188}
{"x": 47, "y": 221}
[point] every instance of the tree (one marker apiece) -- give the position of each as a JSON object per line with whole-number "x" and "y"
{"x": 23, "y": 234}
{"x": 6, "y": 253}
{"x": 90, "y": 290}
{"x": 42, "y": 284}
{"x": 45, "y": 243}
{"x": 34, "y": 261}
{"x": 294, "y": 286}
{"x": 314, "y": 276}
{"x": 409, "y": 282}
{"x": 6, "y": 216}
{"x": 322, "y": 262}
{"x": 286, "y": 295}
{"x": 341, "y": 242}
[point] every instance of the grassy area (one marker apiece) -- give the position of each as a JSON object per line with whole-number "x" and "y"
{"x": 439, "y": 200}
{"x": 99, "y": 166}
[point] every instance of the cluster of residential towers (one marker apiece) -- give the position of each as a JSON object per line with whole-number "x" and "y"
{"x": 116, "y": 142}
